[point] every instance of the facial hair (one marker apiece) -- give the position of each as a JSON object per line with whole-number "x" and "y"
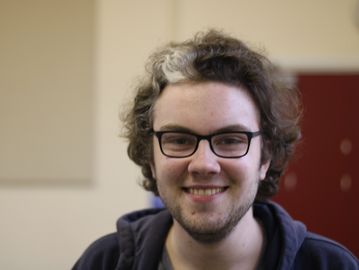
{"x": 205, "y": 232}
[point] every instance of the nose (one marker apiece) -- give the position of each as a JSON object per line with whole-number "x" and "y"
{"x": 204, "y": 162}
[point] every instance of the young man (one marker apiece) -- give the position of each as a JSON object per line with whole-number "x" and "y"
{"x": 213, "y": 128}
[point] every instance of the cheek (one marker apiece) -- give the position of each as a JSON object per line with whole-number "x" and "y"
{"x": 168, "y": 170}
{"x": 170, "y": 176}
{"x": 234, "y": 169}
{"x": 243, "y": 172}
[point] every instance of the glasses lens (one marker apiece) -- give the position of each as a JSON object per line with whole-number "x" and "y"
{"x": 178, "y": 144}
{"x": 230, "y": 144}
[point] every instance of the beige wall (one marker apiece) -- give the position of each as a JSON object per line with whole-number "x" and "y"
{"x": 46, "y": 72}
{"x": 47, "y": 228}
{"x": 317, "y": 34}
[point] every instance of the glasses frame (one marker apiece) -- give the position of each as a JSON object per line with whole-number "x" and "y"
{"x": 250, "y": 135}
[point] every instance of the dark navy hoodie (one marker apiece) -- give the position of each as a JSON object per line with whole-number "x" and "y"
{"x": 140, "y": 237}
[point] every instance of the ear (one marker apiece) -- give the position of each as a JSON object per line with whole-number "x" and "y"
{"x": 153, "y": 171}
{"x": 263, "y": 169}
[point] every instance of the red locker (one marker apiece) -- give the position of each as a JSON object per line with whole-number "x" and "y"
{"x": 321, "y": 185}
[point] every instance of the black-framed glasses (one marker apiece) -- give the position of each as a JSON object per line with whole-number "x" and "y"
{"x": 179, "y": 144}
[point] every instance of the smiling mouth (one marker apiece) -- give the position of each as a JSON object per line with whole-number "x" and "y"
{"x": 200, "y": 191}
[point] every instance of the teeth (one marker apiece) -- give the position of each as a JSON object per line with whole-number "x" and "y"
{"x": 205, "y": 191}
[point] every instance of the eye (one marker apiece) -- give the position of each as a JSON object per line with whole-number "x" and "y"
{"x": 230, "y": 139}
{"x": 178, "y": 139}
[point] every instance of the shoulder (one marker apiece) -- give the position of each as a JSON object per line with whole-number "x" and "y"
{"x": 138, "y": 233}
{"x": 302, "y": 249}
{"x": 318, "y": 252}
{"x": 101, "y": 254}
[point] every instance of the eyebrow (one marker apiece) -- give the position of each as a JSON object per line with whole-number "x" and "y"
{"x": 236, "y": 127}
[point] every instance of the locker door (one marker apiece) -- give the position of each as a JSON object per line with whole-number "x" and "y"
{"x": 321, "y": 186}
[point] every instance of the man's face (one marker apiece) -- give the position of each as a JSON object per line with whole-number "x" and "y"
{"x": 207, "y": 195}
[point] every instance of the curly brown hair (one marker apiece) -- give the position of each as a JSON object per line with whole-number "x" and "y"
{"x": 215, "y": 56}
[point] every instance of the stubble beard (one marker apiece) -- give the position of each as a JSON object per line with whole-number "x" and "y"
{"x": 213, "y": 232}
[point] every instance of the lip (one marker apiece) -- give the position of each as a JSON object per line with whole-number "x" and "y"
{"x": 204, "y": 193}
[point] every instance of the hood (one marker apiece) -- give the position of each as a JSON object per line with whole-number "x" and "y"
{"x": 292, "y": 233}
{"x": 142, "y": 235}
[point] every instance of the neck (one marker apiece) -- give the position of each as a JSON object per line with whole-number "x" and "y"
{"x": 241, "y": 249}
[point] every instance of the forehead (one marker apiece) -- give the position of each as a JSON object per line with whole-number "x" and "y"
{"x": 205, "y": 107}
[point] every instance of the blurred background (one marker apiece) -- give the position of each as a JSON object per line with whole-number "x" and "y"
{"x": 67, "y": 68}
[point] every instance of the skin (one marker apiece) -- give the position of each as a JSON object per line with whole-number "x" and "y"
{"x": 216, "y": 230}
